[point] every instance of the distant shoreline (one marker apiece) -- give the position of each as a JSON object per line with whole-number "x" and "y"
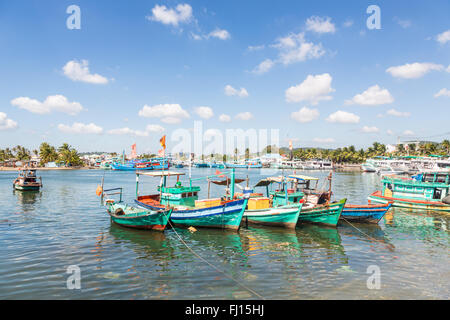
{"x": 48, "y": 169}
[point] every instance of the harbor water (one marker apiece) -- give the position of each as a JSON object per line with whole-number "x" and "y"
{"x": 43, "y": 233}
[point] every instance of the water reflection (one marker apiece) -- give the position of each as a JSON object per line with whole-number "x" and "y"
{"x": 367, "y": 232}
{"x": 27, "y": 199}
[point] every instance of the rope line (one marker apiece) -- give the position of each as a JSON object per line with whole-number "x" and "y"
{"x": 211, "y": 265}
{"x": 388, "y": 245}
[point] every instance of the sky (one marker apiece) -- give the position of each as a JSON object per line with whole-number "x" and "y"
{"x": 132, "y": 71}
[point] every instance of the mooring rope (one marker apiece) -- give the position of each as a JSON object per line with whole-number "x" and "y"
{"x": 388, "y": 245}
{"x": 213, "y": 266}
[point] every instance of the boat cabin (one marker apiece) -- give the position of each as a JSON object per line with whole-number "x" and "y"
{"x": 27, "y": 180}
{"x": 432, "y": 186}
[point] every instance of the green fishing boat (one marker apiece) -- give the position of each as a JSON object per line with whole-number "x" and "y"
{"x": 270, "y": 210}
{"x": 325, "y": 214}
{"x": 132, "y": 217}
{"x": 27, "y": 180}
{"x": 428, "y": 191}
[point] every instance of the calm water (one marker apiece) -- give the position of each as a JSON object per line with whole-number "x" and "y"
{"x": 43, "y": 233}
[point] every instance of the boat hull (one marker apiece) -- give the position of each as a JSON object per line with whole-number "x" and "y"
{"x": 284, "y": 216}
{"x": 365, "y": 213}
{"x": 226, "y": 216}
{"x": 327, "y": 214}
{"x": 409, "y": 203}
{"x": 26, "y": 188}
{"x": 138, "y": 218}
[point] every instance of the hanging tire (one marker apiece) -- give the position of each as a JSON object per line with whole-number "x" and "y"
{"x": 119, "y": 212}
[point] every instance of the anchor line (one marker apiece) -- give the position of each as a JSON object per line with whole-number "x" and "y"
{"x": 213, "y": 266}
{"x": 388, "y": 245}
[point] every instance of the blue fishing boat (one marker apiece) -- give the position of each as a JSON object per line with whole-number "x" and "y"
{"x": 222, "y": 213}
{"x": 371, "y": 213}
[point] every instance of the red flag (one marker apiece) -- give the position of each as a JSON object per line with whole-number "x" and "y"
{"x": 133, "y": 151}
{"x": 220, "y": 174}
{"x": 163, "y": 142}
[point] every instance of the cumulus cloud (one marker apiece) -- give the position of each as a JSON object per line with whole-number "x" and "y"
{"x": 408, "y": 133}
{"x": 204, "y": 112}
{"x": 244, "y": 116}
{"x": 443, "y": 37}
{"x": 154, "y": 128}
{"x": 372, "y": 96}
{"x": 79, "y": 71}
{"x": 128, "y": 131}
{"x": 264, "y": 66}
{"x": 294, "y": 48}
{"x": 6, "y": 123}
{"x": 81, "y": 128}
{"x": 312, "y": 89}
{"x": 219, "y": 34}
{"x": 168, "y": 113}
{"x": 395, "y": 113}
{"x": 58, "y": 103}
{"x": 230, "y": 91}
{"x": 305, "y": 115}
{"x": 367, "y": 129}
{"x": 224, "y": 118}
{"x": 324, "y": 140}
{"x": 320, "y": 25}
{"x": 181, "y": 14}
{"x": 442, "y": 93}
{"x": 413, "y": 70}
{"x": 343, "y": 117}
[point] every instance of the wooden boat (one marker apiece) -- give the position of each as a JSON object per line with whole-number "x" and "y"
{"x": 132, "y": 217}
{"x": 138, "y": 218}
{"x": 430, "y": 191}
{"x": 372, "y": 213}
{"x": 27, "y": 180}
{"x": 263, "y": 211}
{"x": 326, "y": 214}
{"x": 223, "y": 213}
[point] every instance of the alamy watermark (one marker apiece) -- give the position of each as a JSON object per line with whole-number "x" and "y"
{"x": 74, "y": 20}
{"x": 374, "y": 280}
{"x": 74, "y": 280}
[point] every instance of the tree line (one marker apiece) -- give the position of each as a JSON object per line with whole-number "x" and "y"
{"x": 65, "y": 155}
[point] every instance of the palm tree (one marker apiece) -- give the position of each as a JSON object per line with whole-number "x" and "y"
{"x": 47, "y": 153}
{"x": 446, "y": 146}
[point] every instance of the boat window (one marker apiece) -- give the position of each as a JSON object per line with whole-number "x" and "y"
{"x": 437, "y": 194}
{"x": 441, "y": 178}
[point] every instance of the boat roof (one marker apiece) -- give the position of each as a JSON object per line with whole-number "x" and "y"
{"x": 160, "y": 173}
{"x": 302, "y": 177}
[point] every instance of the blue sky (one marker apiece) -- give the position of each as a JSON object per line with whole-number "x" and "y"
{"x": 328, "y": 80}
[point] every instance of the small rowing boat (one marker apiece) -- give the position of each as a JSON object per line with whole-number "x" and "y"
{"x": 27, "y": 181}
{"x": 371, "y": 213}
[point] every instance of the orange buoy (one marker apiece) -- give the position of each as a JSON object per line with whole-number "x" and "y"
{"x": 99, "y": 190}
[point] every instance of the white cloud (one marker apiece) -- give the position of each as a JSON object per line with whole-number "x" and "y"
{"x": 305, "y": 115}
{"x": 224, "y": 118}
{"x": 348, "y": 23}
{"x": 57, "y": 103}
{"x": 5, "y": 123}
{"x": 312, "y": 89}
{"x": 324, "y": 140}
{"x": 320, "y": 25}
{"x": 230, "y": 91}
{"x": 204, "y": 112}
{"x": 343, "y": 117}
{"x": 128, "y": 131}
{"x": 395, "y": 113}
{"x": 244, "y": 116}
{"x": 78, "y": 128}
{"x": 154, "y": 128}
{"x": 181, "y": 13}
{"x": 264, "y": 66}
{"x": 367, "y": 129}
{"x": 443, "y": 93}
{"x": 408, "y": 133}
{"x": 294, "y": 48}
{"x": 413, "y": 70}
{"x": 443, "y": 37}
{"x": 390, "y": 132}
{"x": 220, "y": 34}
{"x": 372, "y": 96}
{"x": 79, "y": 71}
{"x": 168, "y": 113}
{"x": 256, "y": 48}
{"x": 403, "y": 23}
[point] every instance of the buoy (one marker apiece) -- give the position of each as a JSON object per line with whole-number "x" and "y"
{"x": 99, "y": 190}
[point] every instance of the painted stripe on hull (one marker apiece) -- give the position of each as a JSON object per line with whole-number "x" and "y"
{"x": 156, "y": 227}
{"x": 371, "y": 214}
{"x": 404, "y": 203}
{"x": 325, "y": 215}
{"x": 276, "y": 217}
